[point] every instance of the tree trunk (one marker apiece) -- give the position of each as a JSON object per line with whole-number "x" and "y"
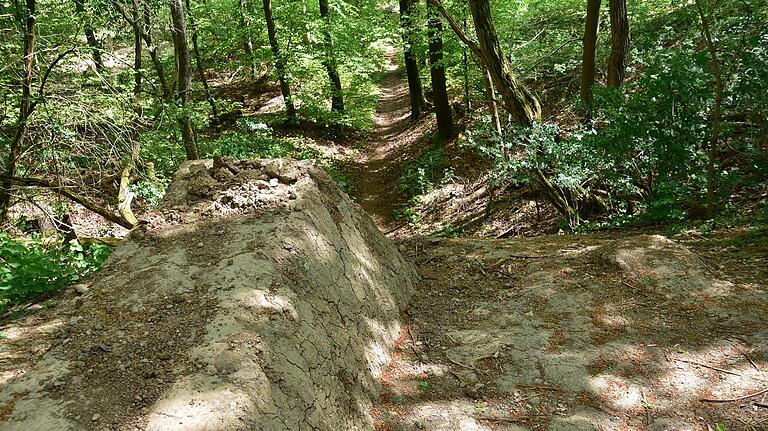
{"x": 199, "y": 63}
{"x": 714, "y": 116}
{"x": 465, "y": 64}
{"x": 418, "y": 103}
{"x": 591, "y": 29}
{"x": 437, "y": 73}
{"x": 90, "y": 35}
{"x": 280, "y": 63}
{"x": 138, "y": 31}
{"x": 247, "y": 38}
{"x": 490, "y": 96}
{"x": 522, "y": 105}
{"x": 184, "y": 78}
{"x": 153, "y": 55}
{"x": 329, "y": 61}
{"x": 619, "y": 42}
{"x": 25, "y": 109}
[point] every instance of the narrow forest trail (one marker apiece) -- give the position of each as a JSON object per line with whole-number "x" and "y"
{"x": 392, "y": 141}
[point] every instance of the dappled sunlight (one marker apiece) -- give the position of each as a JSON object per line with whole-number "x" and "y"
{"x": 620, "y": 393}
{"x": 220, "y": 408}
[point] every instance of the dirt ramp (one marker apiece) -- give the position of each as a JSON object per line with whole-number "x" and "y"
{"x": 259, "y": 297}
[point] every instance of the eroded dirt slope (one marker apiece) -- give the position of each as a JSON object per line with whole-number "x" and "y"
{"x": 258, "y": 297}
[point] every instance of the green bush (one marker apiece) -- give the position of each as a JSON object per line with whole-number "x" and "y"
{"x": 33, "y": 267}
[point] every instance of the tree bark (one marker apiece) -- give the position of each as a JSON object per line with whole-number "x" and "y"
{"x": 418, "y": 103}
{"x": 329, "y": 61}
{"x": 25, "y": 109}
{"x": 280, "y": 64}
{"x": 591, "y": 29}
{"x": 437, "y": 73}
{"x": 90, "y": 35}
{"x": 521, "y": 104}
{"x": 184, "y": 78}
{"x": 199, "y": 63}
{"x": 619, "y": 42}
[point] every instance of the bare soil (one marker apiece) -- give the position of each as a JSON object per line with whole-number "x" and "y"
{"x": 591, "y": 332}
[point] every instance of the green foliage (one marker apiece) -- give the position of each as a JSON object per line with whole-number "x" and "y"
{"x": 420, "y": 175}
{"x": 36, "y": 266}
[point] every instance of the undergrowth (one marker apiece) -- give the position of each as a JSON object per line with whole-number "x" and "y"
{"x": 36, "y": 266}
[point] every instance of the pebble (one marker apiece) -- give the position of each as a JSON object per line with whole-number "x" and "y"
{"x": 82, "y": 288}
{"x": 96, "y": 417}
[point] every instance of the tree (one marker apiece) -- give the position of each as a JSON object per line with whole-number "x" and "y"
{"x": 245, "y": 27}
{"x": 184, "y": 77}
{"x": 282, "y": 76}
{"x": 437, "y": 73}
{"x": 165, "y": 87}
{"x": 418, "y": 103}
{"x": 521, "y": 104}
{"x": 619, "y": 42}
{"x": 329, "y": 60}
{"x": 25, "y": 106}
{"x": 591, "y": 29}
{"x": 90, "y": 35}
{"x": 199, "y": 62}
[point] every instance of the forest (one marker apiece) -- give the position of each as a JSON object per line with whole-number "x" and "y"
{"x": 442, "y": 119}
{"x": 654, "y": 117}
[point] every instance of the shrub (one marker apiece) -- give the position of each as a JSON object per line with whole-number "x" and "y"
{"x": 33, "y": 267}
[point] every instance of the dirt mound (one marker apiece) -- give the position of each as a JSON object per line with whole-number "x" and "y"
{"x": 258, "y": 297}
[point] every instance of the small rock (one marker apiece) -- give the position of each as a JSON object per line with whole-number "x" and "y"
{"x": 274, "y": 182}
{"x": 95, "y": 417}
{"x": 82, "y": 288}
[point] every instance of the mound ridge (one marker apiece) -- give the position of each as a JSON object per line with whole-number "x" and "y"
{"x": 258, "y": 297}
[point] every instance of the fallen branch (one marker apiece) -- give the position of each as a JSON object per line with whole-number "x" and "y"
{"x": 743, "y": 397}
{"x": 82, "y": 200}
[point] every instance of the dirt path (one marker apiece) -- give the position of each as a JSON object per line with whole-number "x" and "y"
{"x": 393, "y": 141}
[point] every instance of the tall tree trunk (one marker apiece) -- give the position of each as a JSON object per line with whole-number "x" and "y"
{"x": 138, "y": 35}
{"x": 25, "y": 109}
{"x": 153, "y": 55}
{"x": 619, "y": 42}
{"x": 418, "y": 103}
{"x": 465, "y": 64}
{"x": 90, "y": 35}
{"x": 184, "y": 78}
{"x": 245, "y": 25}
{"x": 714, "y": 116}
{"x": 199, "y": 63}
{"x": 280, "y": 63}
{"x": 329, "y": 60}
{"x": 437, "y": 74}
{"x": 591, "y": 29}
{"x": 521, "y": 104}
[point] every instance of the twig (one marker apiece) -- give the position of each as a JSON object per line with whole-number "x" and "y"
{"x": 733, "y": 373}
{"x": 730, "y": 400}
{"x": 469, "y": 367}
{"x": 763, "y": 405}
